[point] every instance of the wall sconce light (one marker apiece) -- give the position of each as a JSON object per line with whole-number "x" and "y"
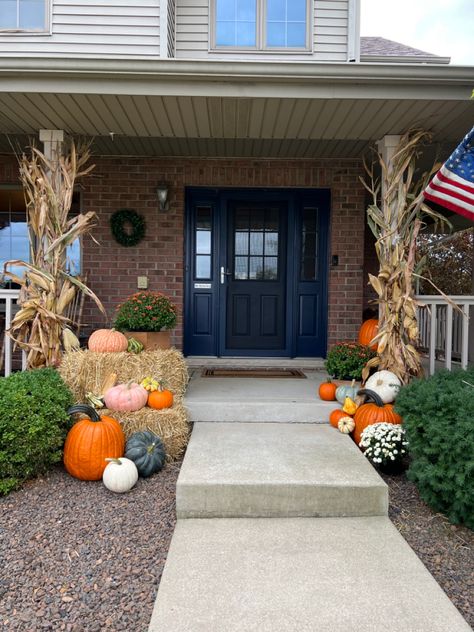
{"x": 162, "y": 195}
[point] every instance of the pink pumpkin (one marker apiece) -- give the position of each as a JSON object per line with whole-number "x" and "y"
{"x": 126, "y": 397}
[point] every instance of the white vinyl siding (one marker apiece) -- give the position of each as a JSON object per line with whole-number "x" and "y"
{"x": 330, "y": 32}
{"x": 93, "y": 28}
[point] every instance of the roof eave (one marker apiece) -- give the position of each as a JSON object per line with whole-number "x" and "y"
{"x": 405, "y": 59}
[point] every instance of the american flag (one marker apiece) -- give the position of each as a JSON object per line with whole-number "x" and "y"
{"x": 453, "y": 185}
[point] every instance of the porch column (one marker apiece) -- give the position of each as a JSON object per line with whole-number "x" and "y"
{"x": 387, "y": 147}
{"x": 52, "y": 140}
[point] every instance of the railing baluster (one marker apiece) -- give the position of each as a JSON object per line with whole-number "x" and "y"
{"x": 465, "y": 336}
{"x": 432, "y": 351}
{"x": 448, "y": 348}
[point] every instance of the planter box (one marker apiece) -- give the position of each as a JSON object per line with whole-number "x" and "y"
{"x": 151, "y": 340}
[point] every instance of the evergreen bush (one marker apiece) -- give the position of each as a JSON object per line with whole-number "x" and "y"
{"x": 33, "y": 424}
{"x": 438, "y": 415}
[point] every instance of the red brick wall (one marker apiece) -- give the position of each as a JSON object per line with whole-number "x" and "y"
{"x": 131, "y": 182}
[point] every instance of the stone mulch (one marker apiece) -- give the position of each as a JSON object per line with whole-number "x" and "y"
{"x": 446, "y": 550}
{"x": 75, "y": 557}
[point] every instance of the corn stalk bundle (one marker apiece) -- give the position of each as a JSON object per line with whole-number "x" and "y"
{"x": 46, "y": 288}
{"x": 395, "y": 217}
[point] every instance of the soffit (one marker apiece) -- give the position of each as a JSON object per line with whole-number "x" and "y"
{"x": 325, "y": 113}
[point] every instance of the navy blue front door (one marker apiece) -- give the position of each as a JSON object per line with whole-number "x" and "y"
{"x": 256, "y": 272}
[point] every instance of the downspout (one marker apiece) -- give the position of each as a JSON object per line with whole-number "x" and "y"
{"x": 353, "y": 31}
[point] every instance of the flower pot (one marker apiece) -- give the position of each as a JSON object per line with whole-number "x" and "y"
{"x": 392, "y": 468}
{"x": 151, "y": 340}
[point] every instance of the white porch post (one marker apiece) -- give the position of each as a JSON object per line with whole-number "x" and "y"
{"x": 52, "y": 140}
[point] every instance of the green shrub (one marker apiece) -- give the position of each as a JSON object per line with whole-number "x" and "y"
{"x": 346, "y": 360}
{"x": 33, "y": 424}
{"x": 438, "y": 415}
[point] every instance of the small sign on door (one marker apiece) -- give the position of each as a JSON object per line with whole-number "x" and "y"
{"x": 202, "y": 286}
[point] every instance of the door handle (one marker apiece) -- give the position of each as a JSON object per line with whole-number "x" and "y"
{"x": 224, "y": 273}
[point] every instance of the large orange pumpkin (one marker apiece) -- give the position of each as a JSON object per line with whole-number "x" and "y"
{"x": 107, "y": 340}
{"x": 90, "y": 441}
{"x": 371, "y": 412}
{"x": 367, "y": 332}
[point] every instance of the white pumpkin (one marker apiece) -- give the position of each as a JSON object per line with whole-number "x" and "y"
{"x": 386, "y": 384}
{"x": 346, "y": 425}
{"x": 120, "y": 475}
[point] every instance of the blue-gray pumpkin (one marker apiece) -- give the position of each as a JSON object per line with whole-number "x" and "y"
{"x": 346, "y": 390}
{"x": 147, "y": 451}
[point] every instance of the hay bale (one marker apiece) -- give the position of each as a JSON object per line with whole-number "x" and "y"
{"x": 85, "y": 371}
{"x": 170, "y": 424}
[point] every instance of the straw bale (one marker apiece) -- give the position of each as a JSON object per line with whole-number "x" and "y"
{"x": 170, "y": 424}
{"x": 86, "y": 370}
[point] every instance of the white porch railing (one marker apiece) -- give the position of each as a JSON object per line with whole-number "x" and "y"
{"x": 8, "y": 300}
{"x": 444, "y": 330}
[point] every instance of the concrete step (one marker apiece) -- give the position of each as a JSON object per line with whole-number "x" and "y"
{"x": 257, "y": 399}
{"x": 276, "y": 470}
{"x": 298, "y": 575}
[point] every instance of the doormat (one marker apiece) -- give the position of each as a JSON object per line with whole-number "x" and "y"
{"x": 274, "y": 373}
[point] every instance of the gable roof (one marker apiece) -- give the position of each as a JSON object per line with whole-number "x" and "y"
{"x": 379, "y": 48}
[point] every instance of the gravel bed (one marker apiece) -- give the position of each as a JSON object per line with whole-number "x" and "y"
{"x": 75, "y": 556}
{"x": 446, "y": 550}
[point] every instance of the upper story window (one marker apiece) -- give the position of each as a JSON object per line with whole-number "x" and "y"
{"x": 24, "y": 15}
{"x": 261, "y": 24}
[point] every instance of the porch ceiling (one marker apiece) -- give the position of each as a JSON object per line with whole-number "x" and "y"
{"x": 305, "y": 114}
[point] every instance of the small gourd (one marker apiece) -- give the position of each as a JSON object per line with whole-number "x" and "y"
{"x": 120, "y": 475}
{"x": 350, "y": 406}
{"x": 147, "y": 451}
{"x": 327, "y": 391}
{"x": 335, "y": 416}
{"x": 346, "y": 425}
{"x": 386, "y": 384}
{"x": 346, "y": 390}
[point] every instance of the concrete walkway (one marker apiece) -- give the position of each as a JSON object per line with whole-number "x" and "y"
{"x": 283, "y": 527}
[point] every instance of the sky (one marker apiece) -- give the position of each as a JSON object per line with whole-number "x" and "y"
{"x": 442, "y": 27}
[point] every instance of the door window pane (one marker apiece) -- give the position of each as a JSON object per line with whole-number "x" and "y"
{"x": 256, "y": 268}
{"x": 271, "y": 268}
{"x": 241, "y": 268}
{"x": 203, "y": 267}
{"x": 241, "y": 243}
{"x": 203, "y": 242}
{"x": 256, "y": 243}
{"x": 271, "y": 243}
{"x": 309, "y": 245}
{"x": 236, "y": 23}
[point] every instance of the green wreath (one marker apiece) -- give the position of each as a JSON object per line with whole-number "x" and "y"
{"x": 117, "y": 224}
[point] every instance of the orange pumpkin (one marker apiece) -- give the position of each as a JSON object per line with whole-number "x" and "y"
{"x": 367, "y": 332}
{"x": 327, "y": 391}
{"x": 107, "y": 340}
{"x": 161, "y": 398}
{"x": 90, "y": 441}
{"x": 335, "y": 416}
{"x": 371, "y": 412}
